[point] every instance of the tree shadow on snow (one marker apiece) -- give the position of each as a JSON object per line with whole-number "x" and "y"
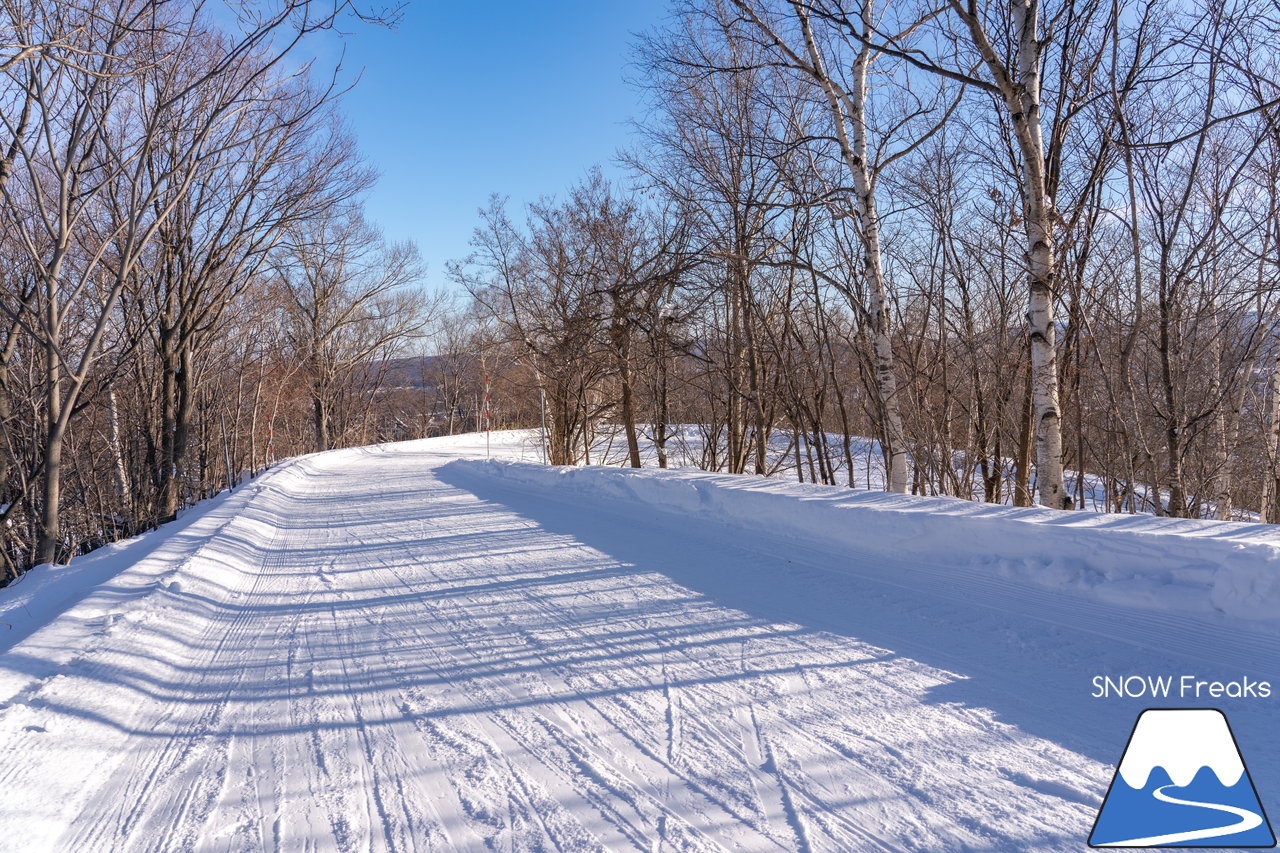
{"x": 1031, "y": 669}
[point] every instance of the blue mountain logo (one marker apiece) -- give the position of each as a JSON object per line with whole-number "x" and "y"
{"x": 1182, "y": 783}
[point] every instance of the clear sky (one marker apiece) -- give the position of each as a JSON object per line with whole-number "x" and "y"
{"x": 465, "y": 99}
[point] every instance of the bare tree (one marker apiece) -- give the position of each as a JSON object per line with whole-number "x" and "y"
{"x": 348, "y": 296}
{"x": 96, "y": 102}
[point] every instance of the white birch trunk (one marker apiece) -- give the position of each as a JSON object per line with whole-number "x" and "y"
{"x": 119, "y": 469}
{"x": 1022, "y": 97}
{"x": 1221, "y": 429}
{"x": 1271, "y": 477}
{"x": 848, "y": 115}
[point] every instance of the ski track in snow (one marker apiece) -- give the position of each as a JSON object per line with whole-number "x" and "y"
{"x": 360, "y": 652}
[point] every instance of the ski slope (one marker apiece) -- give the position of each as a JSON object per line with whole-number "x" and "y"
{"x": 395, "y": 649}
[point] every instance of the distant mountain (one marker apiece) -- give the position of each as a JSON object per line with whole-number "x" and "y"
{"x": 408, "y": 371}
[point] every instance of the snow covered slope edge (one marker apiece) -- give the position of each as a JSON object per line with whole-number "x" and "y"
{"x": 1170, "y": 565}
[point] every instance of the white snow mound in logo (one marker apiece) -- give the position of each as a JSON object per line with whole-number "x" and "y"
{"x": 1181, "y": 742}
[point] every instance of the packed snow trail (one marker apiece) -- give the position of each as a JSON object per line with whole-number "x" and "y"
{"x": 375, "y": 650}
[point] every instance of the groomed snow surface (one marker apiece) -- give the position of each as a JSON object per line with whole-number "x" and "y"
{"x": 400, "y": 648}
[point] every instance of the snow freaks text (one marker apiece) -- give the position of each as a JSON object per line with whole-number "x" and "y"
{"x": 1177, "y": 687}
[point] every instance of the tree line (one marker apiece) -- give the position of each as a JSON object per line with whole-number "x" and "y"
{"x": 1028, "y": 247}
{"x": 1015, "y": 252}
{"x": 190, "y": 287}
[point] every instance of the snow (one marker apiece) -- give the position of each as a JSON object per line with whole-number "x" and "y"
{"x": 401, "y": 648}
{"x": 1169, "y": 565}
{"x": 685, "y": 445}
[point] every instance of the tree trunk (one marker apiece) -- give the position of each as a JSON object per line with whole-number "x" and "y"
{"x": 1269, "y": 508}
{"x": 6, "y": 412}
{"x": 754, "y": 381}
{"x": 1020, "y": 89}
{"x": 1042, "y": 265}
{"x": 176, "y": 415}
{"x": 622, "y": 350}
{"x": 851, "y": 131}
{"x": 1022, "y": 465}
{"x": 1221, "y": 435}
{"x": 320, "y": 420}
{"x": 50, "y": 518}
{"x": 50, "y": 521}
{"x": 663, "y": 415}
{"x": 119, "y": 470}
{"x": 1168, "y": 347}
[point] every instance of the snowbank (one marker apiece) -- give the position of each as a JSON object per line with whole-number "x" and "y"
{"x": 90, "y": 589}
{"x": 1169, "y": 565}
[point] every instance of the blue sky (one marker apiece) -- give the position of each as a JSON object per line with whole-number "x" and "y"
{"x": 462, "y": 100}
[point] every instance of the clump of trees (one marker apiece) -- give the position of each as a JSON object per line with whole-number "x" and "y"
{"x": 189, "y": 287}
{"x": 1029, "y": 248}
{"x": 1012, "y": 252}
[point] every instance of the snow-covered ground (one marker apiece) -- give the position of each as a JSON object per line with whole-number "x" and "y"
{"x": 399, "y": 648}
{"x": 685, "y": 447}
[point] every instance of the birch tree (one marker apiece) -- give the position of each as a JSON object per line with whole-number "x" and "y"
{"x": 846, "y": 93}
{"x": 1002, "y": 50}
